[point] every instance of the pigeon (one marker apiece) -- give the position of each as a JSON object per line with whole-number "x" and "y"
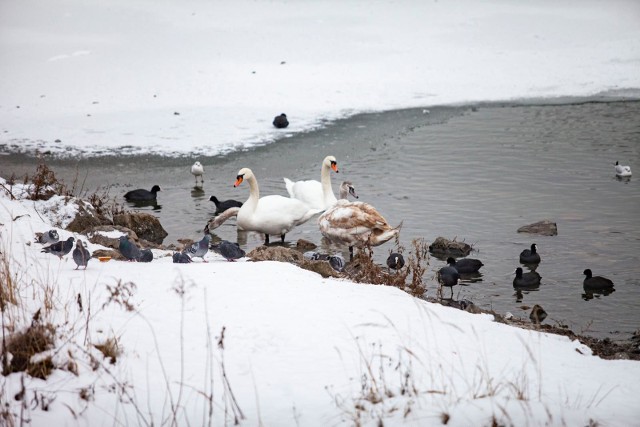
{"x": 60, "y": 249}
{"x": 197, "y": 170}
{"x": 395, "y": 261}
{"x": 448, "y": 276}
{"x": 145, "y": 256}
{"x": 465, "y": 265}
{"x": 181, "y": 258}
{"x": 596, "y": 283}
{"x": 337, "y": 263}
{"x": 229, "y": 250}
{"x": 530, "y": 256}
{"x": 81, "y": 255}
{"x": 199, "y": 249}
{"x": 50, "y": 236}
{"x": 128, "y": 250}
{"x": 281, "y": 121}
{"x": 526, "y": 280}
{"x": 622, "y": 171}
{"x": 141, "y": 195}
{"x": 224, "y": 205}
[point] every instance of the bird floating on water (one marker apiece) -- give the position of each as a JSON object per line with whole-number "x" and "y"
{"x": 395, "y": 261}
{"x": 142, "y": 195}
{"x": 222, "y": 206}
{"x": 465, "y": 265}
{"x": 526, "y": 280}
{"x": 596, "y": 283}
{"x": 622, "y": 171}
{"x": 530, "y": 256}
{"x": 315, "y": 194}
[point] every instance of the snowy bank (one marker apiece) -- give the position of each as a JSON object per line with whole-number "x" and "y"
{"x": 273, "y": 344}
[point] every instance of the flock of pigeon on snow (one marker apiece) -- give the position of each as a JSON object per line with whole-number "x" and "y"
{"x": 343, "y": 222}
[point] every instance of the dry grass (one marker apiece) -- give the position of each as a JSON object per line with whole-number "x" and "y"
{"x": 110, "y": 349}
{"x": 22, "y": 346}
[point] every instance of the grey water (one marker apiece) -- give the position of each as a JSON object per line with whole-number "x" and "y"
{"x": 472, "y": 173}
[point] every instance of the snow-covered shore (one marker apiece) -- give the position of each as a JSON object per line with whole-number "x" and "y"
{"x": 201, "y": 77}
{"x": 268, "y": 343}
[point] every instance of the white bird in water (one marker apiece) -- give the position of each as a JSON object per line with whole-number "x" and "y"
{"x": 198, "y": 170}
{"x": 315, "y": 194}
{"x": 622, "y": 171}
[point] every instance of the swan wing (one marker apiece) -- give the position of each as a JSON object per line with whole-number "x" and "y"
{"x": 308, "y": 192}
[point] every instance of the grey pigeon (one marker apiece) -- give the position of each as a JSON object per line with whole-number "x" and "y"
{"x": 60, "y": 249}
{"x": 199, "y": 249}
{"x": 81, "y": 255}
{"x": 395, "y": 261}
{"x": 337, "y": 262}
{"x": 145, "y": 256}
{"x": 229, "y": 250}
{"x": 50, "y": 236}
{"x": 181, "y": 258}
{"x": 128, "y": 250}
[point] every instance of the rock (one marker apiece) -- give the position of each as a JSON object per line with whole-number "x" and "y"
{"x": 305, "y": 245}
{"x": 86, "y": 218}
{"x": 95, "y": 236}
{"x": 292, "y": 256}
{"x": 145, "y": 225}
{"x": 115, "y": 255}
{"x": 275, "y": 253}
{"x": 543, "y": 228}
{"x": 445, "y": 247}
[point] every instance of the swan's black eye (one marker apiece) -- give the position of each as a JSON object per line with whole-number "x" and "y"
{"x": 240, "y": 176}
{"x": 333, "y": 163}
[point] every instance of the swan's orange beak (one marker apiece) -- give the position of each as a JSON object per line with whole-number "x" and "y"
{"x": 239, "y": 180}
{"x": 334, "y": 166}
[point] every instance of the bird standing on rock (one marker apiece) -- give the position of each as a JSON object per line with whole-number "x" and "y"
{"x": 281, "y": 121}
{"x": 229, "y": 250}
{"x": 128, "y": 250}
{"x": 59, "y": 249}
{"x": 197, "y": 170}
{"x": 199, "y": 249}
{"x": 81, "y": 255}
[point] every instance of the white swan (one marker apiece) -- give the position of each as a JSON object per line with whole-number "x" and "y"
{"x": 316, "y": 195}
{"x": 622, "y": 171}
{"x": 355, "y": 224}
{"x": 346, "y": 189}
{"x": 270, "y": 214}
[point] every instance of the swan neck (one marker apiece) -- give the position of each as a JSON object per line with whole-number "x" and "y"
{"x": 254, "y": 191}
{"x": 325, "y": 180}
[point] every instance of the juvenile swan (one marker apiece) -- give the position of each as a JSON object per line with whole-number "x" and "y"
{"x": 270, "y": 214}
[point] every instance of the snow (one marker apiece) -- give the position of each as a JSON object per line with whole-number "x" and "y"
{"x": 208, "y": 77}
{"x": 196, "y": 77}
{"x": 297, "y": 350}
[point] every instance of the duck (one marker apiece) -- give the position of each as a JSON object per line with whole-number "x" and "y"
{"x": 315, "y": 194}
{"x": 141, "y": 195}
{"x": 281, "y": 121}
{"x": 530, "y": 256}
{"x": 395, "y": 261}
{"x": 465, "y": 265}
{"x": 596, "y": 283}
{"x": 197, "y": 170}
{"x": 526, "y": 280}
{"x": 269, "y": 215}
{"x": 222, "y": 206}
{"x": 355, "y": 224}
{"x": 448, "y": 276}
{"x": 622, "y": 171}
